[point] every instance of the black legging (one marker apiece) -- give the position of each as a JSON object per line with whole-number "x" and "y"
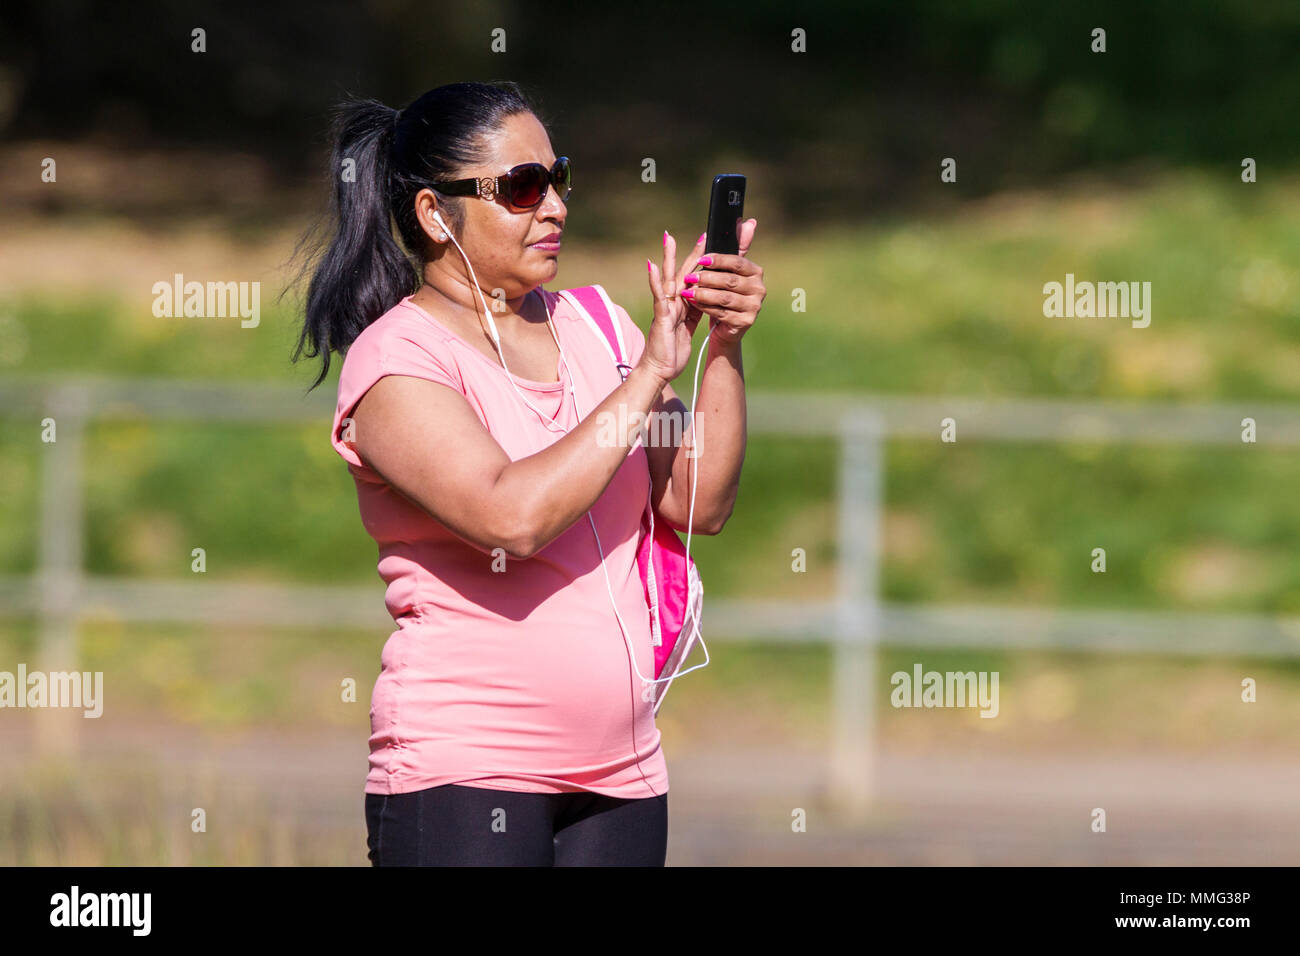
{"x": 453, "y": 825}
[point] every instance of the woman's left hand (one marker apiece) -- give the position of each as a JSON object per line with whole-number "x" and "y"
{"x": 730, "y": 289}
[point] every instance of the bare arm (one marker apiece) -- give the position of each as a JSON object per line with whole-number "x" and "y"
{"x": 425, "y": 440}
{"x": 720, "y": 418}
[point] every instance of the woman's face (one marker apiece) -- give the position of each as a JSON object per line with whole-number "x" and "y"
{"x": 497, "y": 237}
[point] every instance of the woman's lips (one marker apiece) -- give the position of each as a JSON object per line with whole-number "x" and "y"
{"x": 549, "y": 244}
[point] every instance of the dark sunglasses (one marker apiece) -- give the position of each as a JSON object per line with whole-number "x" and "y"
{"x": 523, "y": 187}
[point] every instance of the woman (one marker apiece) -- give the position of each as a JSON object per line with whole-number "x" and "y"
{"x": 508, "y": 724}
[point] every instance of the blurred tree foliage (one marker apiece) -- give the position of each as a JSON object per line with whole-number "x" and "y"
{"x": 856, "y": 124}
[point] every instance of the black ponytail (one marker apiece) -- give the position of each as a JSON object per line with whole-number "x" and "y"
{"x": 382, "y": 157}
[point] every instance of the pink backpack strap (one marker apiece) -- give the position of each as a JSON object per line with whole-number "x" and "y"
{"x": 666, "y": 569}
{"x": 595, "y": 308}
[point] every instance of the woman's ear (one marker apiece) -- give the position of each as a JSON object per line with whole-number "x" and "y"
{"x": 432, "y": 216}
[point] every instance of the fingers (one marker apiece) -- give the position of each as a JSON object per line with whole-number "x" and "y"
{"x": 670, "y": 261}
{"x": 670, "y": 265}
{"x": 664, "y": 305}
{"x": 717, "y": 292}
{"x": 692, "y": 259}
{"x": 721, "y": 302}
{"x": 666, "y": 291}
{"x": 728, "y": 285}
{"x": 745, "y": 234}
{"x": 721, "y": 262}
{"x": 656, "y": 287}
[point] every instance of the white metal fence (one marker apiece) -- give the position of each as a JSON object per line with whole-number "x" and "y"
{"x": 855, "y": 621}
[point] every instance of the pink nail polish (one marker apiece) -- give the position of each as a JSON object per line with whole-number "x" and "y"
{"x": 705, "y": 260}
{"x": 665, "y": 238}
{"x": 701, "y": 239}
{"x": 688, "y": 293}
{"x": 691, "y": 279}
{"x": 648, "y": 268}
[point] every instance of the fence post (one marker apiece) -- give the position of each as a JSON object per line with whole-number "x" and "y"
{"x": 59, "y": 574}
{"x": 853, "y": 668}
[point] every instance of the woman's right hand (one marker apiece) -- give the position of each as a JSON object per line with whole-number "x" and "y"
{"x": 668, "y": 343}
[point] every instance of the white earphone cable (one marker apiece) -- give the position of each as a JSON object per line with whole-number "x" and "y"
{"x": 496, "y": 339}
{"x": 690, "y": 519}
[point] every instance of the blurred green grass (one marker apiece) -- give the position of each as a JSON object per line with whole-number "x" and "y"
{"x": 226, "y": 680}
{"x": 937, "y": 304}
{"x": 923, "y": 306}
{"x": 932, "y": 305}
{"x": 1195, "y": 528}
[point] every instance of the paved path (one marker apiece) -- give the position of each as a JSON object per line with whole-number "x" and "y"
{"x": 299, "y": 799}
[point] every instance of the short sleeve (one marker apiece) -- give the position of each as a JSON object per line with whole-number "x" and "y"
{"x": 377, "y": 352}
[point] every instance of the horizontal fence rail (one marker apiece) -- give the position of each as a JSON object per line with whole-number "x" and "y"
{"x": 729, "y": 619}
{"x": 783, "y": 413}
{"x": 854, "y": 621}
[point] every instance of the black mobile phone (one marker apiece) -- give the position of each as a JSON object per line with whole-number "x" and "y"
{"x": 726, "y": 209}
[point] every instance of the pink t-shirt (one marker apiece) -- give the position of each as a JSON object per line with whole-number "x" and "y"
{"x": 515, "y": 679}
